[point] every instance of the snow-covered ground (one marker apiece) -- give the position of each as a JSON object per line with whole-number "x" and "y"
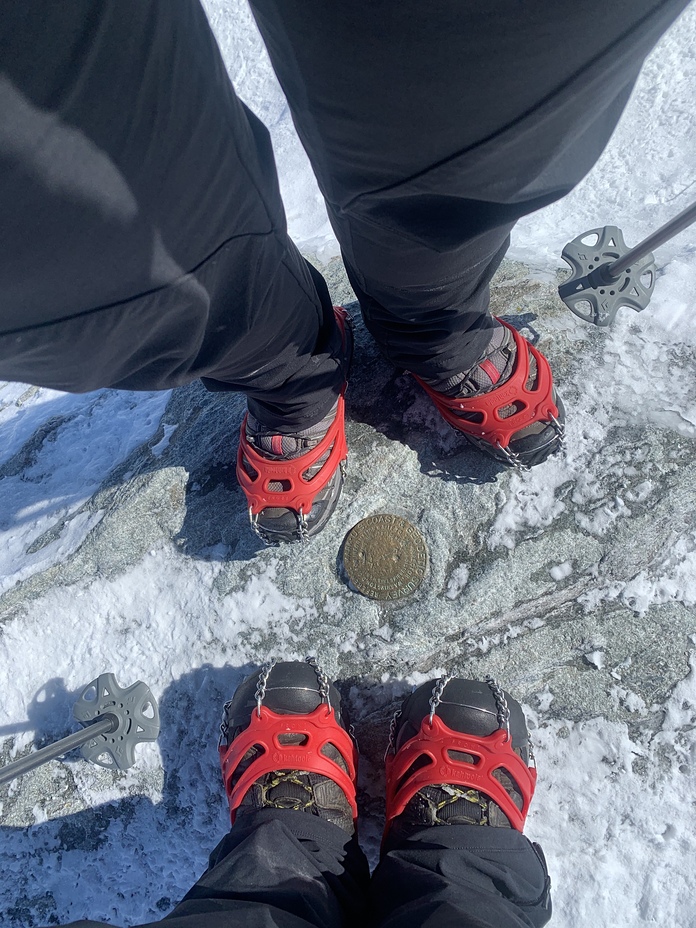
{"x": 615, "y": 806}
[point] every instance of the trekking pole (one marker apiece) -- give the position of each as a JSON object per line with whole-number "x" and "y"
{"x": 115, "y": 720}
{"x": 608, "y": 275}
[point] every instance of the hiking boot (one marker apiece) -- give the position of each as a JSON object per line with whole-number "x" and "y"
{"x": 293, "y": 482}
{"x": 459, "y": 754}
{"x": 506, "y": 404}
{"x": 284, "y": 744}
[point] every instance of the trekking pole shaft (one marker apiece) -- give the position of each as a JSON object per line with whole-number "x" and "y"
{"x": 51, "y": 751}
{"x": 663, "y": 234}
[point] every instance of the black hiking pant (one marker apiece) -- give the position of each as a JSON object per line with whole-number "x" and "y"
{"x": 293, "y": 870}
{"x": 142, "y": 237}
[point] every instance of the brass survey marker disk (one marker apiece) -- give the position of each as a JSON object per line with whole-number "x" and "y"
{"x": 385, "y": 557}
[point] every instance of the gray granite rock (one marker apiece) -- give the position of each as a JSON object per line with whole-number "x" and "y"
{"x": 545, "y": 606}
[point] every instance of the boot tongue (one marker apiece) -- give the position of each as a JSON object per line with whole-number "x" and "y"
{"x": 492, "y": 369}
{"x": 287, "y": 446}
{"x": 289, "y": 791}
{"x": 445, "y": 804}
{"x": 280, "y": 446}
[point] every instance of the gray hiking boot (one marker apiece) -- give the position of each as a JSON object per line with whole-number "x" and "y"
{"x": 459, "y": 755}
{"x": 506, "y": 404}
{"x": 293, "y": 482}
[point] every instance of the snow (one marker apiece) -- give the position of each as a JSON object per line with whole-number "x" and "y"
{"x": 162, "y": 445}
{"x": 614, "y": 807}
{"x": 596, "y": 659}
{"x": 620, "y": 837}
{"x": 78, "y": 440}
{"x": 458, "y": 580}
{"x": 561, "y": 571}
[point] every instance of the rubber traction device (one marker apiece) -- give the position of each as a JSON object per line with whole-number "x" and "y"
{"x": 299, "y": 492}
{"x": 319, "y": 728}
{"x": 428, "y": 757}
{"x": 486, "y": 423}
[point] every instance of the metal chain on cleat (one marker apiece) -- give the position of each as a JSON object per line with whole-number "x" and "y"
{"x": 302, "y": 526}
{"x": 512, "y": 458}
{"x": 530, "y": 751}
{"x": 323, "y": 680}
{"x": 560, "y": 430}
{"x": 501, "y": 705}
{"x": 262, "y": 682}
{"x": 391, "y": 745}
{"x": 436, "y": 697}
{"x": 256, "y": 528}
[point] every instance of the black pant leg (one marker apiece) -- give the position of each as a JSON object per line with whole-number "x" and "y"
{"x": 283, "y": 869}
{"x": 432, "y": 127}
{"x": 143, "y": 240}
{"x": 461, "y": 876}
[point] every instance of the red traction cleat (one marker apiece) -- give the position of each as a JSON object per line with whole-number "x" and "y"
{"x": 293, "y": 482}
{"x": 459, "y": 754}
{"x": 284, "y": 745}
{"x": 519, "y": 421}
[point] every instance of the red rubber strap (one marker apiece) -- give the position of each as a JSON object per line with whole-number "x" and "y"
{"x": 319, "y": 727}
{"x": 489, "y": 368}
{"x": 537, "y": 404}
{"x": 433, "y": 743}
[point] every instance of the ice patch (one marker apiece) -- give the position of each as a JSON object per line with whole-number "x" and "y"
{"x": 629, "y": 700}
{"x": 530, "y": 503}
{"x": 592, "y": 794}
{"x": 415, "y": 678}
{"x": 544, "y": 699}
{"x": 40, "y": 522}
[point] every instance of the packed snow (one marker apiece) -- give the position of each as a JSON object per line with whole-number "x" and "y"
{"x": 614, "y": 808}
